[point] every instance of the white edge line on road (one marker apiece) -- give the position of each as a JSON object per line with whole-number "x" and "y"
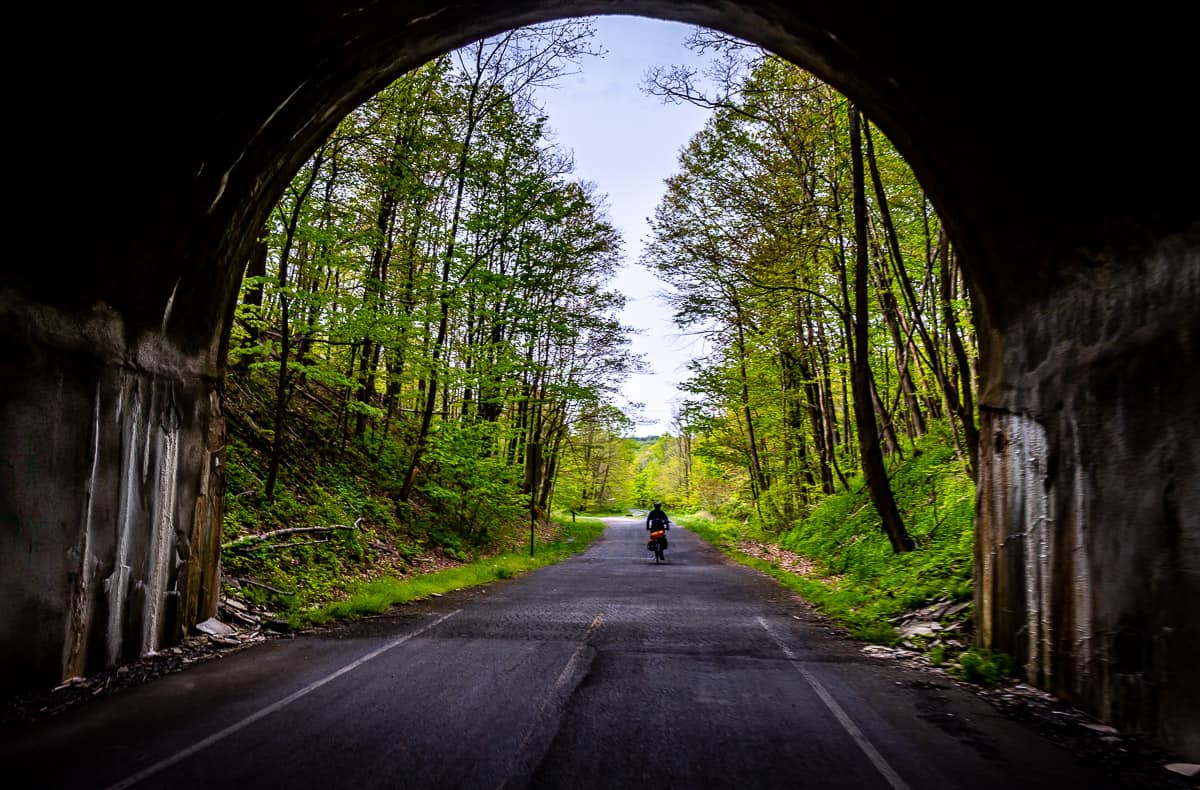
{"x": 877, "y": 759}
{"x": 149, "y": 771}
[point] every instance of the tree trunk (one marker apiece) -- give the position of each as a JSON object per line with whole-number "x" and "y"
{"x": 964, "y": 381}
{"x": 256, "y": 266}
{"x": 868, "y": 431}
{"x": 828, "y": 410}
{"x": 887, "y": 425}
{"x": 891, "y": 307}
{"x": 793, "y": 383}
{"x": 949, "y": 389}
{"x": 283, "y": 380}
{"x": 422, "y": 440}
{"x": 756, "y": 470}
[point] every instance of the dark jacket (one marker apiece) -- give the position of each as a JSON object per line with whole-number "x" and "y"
{"x": 657, "y": 518}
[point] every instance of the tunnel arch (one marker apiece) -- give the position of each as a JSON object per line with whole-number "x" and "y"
{"x": 1079, "y": 228}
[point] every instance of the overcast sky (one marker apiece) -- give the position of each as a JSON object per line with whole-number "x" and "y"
{"x": 627, "y": 144}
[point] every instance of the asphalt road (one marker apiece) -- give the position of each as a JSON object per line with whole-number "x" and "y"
{"x": 605, "y": 671}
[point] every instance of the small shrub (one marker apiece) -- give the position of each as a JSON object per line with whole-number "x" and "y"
{"x": 876, "y": 633}
{"x": 985, "y": 666}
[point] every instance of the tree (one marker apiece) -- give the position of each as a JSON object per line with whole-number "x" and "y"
{"x": 868, "y": 432}
{"x": 760, "y": 238}
{"x": 493, "y": 73}
{"x": 434, "y": 288}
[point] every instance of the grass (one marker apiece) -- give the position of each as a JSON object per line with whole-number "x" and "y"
{"x": 985, "y": 666}
{"x": 849, "y": 608}
{"x": 857, "y": 581}
{"x": 380, "y": 595}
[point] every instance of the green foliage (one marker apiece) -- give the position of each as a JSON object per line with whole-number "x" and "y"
{"x": 328, "y": 486}
{"x": 755, "y": 237}
{"x": 473, "y": 494}
{"x": 936, "y": 499}
{"x": 427, "y": 311}
{"x": 665, "y": 471}
{"x": 857, "y": 580}
{"x": 379, "y": 595}
{"x": 596, "y": 466}
{"x": 984, "y": 666}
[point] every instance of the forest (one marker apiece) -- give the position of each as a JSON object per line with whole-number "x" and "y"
{"x": 426, "y": 353}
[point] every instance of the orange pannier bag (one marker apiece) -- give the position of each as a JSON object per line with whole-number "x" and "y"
{"x": 658, "y": 533}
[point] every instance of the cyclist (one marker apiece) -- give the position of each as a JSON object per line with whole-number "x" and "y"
{"x": 657, "y": 519}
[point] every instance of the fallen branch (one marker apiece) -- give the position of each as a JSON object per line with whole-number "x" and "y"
{"x": 289, "y": 531}
{"x": 264, "y": 586}
{"x": 300, "y": 543}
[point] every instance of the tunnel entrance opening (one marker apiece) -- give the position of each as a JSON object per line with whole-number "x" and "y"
{"x": 1087, "y": 284}
{"x": 337, "y": 333}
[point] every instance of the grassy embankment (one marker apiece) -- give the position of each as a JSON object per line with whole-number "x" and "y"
{"x": 331, "y": 541}
{"x": 851, "y": 574}
{"x": 373, "y": 561}
{"x": 326, "y": 583}
{"x": 379, "y": 595}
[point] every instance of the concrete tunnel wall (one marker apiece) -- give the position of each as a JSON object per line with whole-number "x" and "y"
{"x": 113, "y": 514}
{"x": 1087, "y": 549}
{"x": 150, "y": 159}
